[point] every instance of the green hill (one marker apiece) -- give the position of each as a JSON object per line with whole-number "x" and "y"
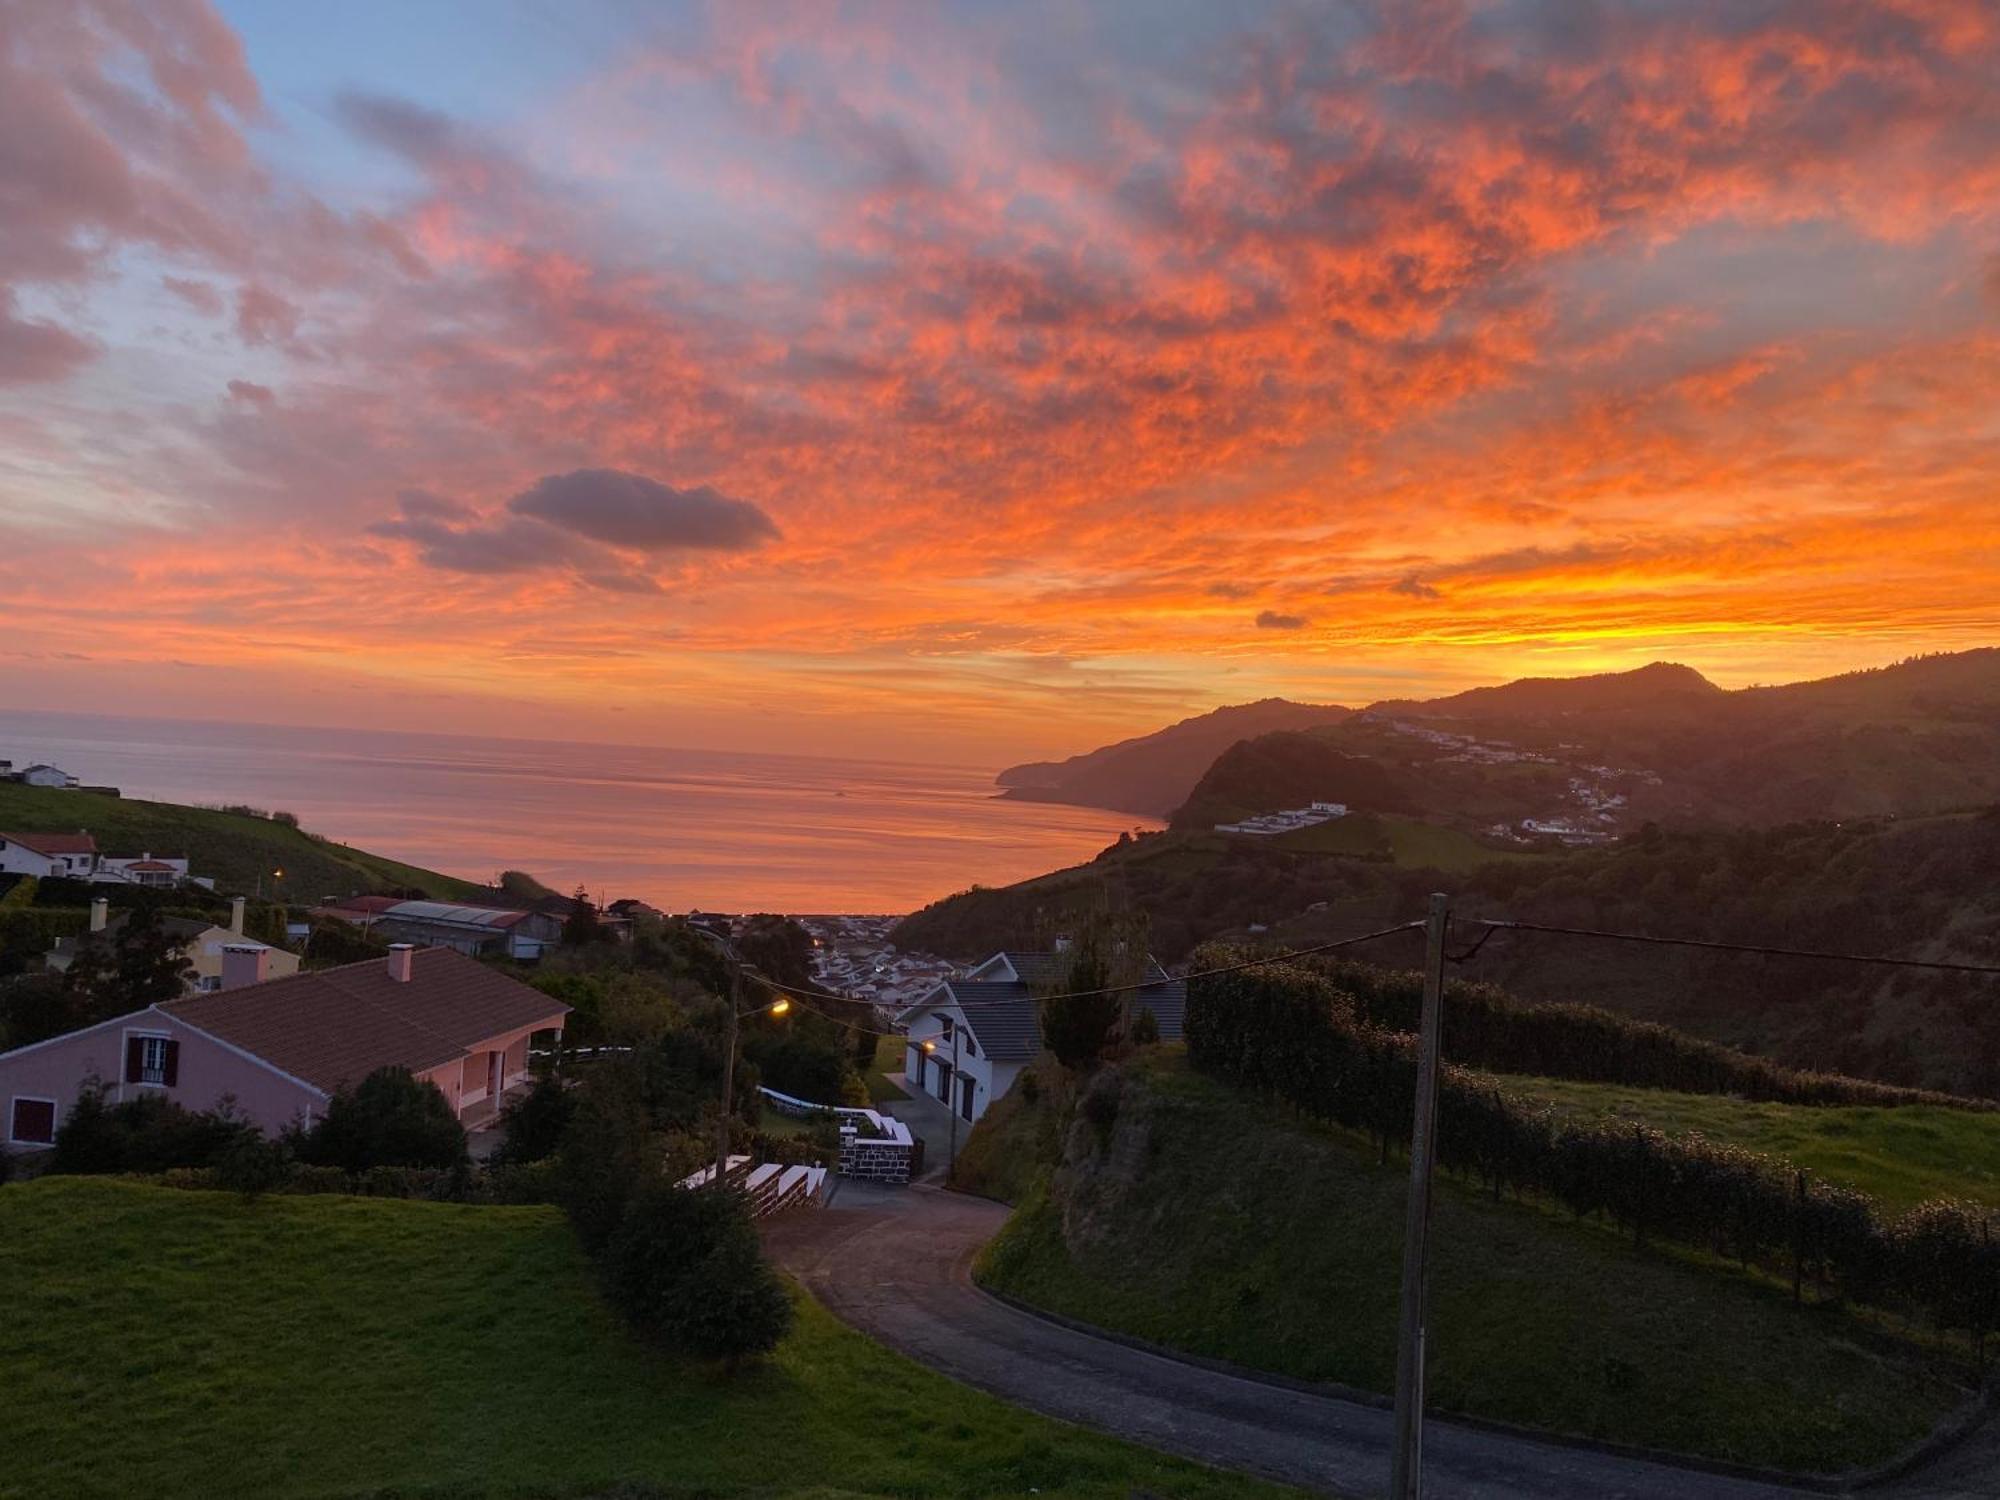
{"x": 1900, "y": 1157}
{"x": 237, "y": 849}
{"x": 190, "y": 1344}
{"x": 1199, "y": 1217}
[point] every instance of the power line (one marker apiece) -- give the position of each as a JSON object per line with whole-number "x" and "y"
{"x": 1768, "y": 950}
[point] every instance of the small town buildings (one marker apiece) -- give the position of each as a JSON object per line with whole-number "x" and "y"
{"x": 993, "y": 1015}
{"x": 46, "y": 855}
{"x": 443, "y": 924}
{"x": 281, "y": 1048}
{"x": 221, "y": 957}
{"x": 140, "y": 869}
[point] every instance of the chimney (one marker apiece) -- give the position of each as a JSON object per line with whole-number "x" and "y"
{"x": 400, "y": 955}
{"x": 1062, "y": 944}
{"x": 244, "y": 963}
{"x": 236, "y": 915}
{"x": 100, "y": 913}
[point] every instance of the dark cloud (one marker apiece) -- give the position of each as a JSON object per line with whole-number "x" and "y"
{"x": 255, "y": 394}
{"x": 435, "y": 507}
{"x": 1415, "y": 587}
{"x": 1232, "y": 590}
{"x": 1992, "y": 278}
{"x": 630, "y": 510}
{"x": 33, "y": 350}
{"x": 515, "y": 544}
{"x": 1270, "y": 619}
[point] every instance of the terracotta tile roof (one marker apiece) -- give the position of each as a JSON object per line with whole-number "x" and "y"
{"x": 336, "y": 1026}
{"x": 54, "y": 843}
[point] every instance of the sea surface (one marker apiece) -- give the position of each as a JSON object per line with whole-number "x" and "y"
{"x": 680, "y": 828}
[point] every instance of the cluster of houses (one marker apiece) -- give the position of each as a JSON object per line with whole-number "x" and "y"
{"x": 75, "y": 856}
{"x": 855, "y": 956}
{"x": 1267, "y": 824}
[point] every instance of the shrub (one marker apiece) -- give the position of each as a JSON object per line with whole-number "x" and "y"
{"x": 532, "y": 1125}
{"x": 1146, "y": 1028}
{"x": 686, "y": 1270}
{"x": 606, "y": 1153}
{"x": 391, "y": 1120}
{"x": 523, "y": 1182}
{"x": 802, "y": 1068}
{"x": 252, "y": 1166}
{"x": 149, "y": 1133}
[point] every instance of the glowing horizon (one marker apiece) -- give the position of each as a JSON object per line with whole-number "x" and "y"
{"x": 983, "y": 384}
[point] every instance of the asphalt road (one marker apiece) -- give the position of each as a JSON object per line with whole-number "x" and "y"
{"x": 895, "y": 1263}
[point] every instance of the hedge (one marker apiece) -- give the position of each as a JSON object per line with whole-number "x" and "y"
{"x": 1486, "y": 1028}
{"x": 1291, "y": 1032}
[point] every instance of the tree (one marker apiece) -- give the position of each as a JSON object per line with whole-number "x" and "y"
{"x": 34, "y": 1007}
{"x": 391, "y": 1120}
{"x": 1145, "y": 1029}
{"x": 582, "y": 926}
{"x": 779, "y": 947}
{"x": 606, "y": 1151}
{"x": 532, "y": 1125}
{"x": 145, "y": 966}
{"x": 687, "y": 1271}
{"x": 1108, "y": 953}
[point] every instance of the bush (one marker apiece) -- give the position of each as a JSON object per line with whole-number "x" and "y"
{"x": 252, "y": 1166}
{"x": 391, "y": 1120}
{"x": 606, "y": 1153}
{"x": 149, "y": 1133}
{"x": 532, "y": 1125}
{"x": 686, "y": 1269}
{"x": 1146, "y": 1029}
{"x": 802, "y": 1068}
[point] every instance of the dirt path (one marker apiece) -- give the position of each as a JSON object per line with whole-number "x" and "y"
{"x": 895, "y": 1263}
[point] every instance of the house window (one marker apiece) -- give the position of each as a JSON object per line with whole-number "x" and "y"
{"x": 152, "y": 1059}
{"x": 32, "y": 1122}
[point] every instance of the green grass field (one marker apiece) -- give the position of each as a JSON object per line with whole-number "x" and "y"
{"x": 1899, "y": 1156}
{"x": 238, "y": 851}
{"x": 1233, "y": 1230}
{"x": 1411, "y": 843}
{"x": 189, "y": 1344}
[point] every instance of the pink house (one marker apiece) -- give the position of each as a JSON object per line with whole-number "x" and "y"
{"x": 281, "y": 1048}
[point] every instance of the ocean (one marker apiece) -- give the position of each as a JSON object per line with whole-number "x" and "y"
{"x": 681, "y": 828}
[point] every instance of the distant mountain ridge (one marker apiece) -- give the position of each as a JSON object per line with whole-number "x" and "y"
{"x": 1662, "y": 740}
{"x": 1153, "y": 773}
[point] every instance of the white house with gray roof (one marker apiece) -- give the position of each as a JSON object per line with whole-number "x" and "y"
{"x": 993, "y": 1016}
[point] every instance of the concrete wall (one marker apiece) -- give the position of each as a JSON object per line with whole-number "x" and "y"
{"x": 58, "y": 1068}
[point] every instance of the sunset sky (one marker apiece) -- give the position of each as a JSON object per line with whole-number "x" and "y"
{"x": 976, "y": 382}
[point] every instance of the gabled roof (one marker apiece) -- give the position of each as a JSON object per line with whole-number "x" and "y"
{"x": 336, "y": 1026}
{"x": 53, "y": 844}
{"x": 1005, "y": 1018}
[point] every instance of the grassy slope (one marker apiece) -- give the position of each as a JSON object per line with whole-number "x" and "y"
{"x": 1253, "y": 1238}
{"x": 1015, "y": 1140}
{"x": 189, "y": 1344}
{"x": 1900, "y": 1156}
{"x": 884, "y": 1075}
{"x": 235, "y": 849}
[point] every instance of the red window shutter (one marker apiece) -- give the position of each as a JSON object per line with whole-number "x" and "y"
{"x": 172, "y": 1071}
{"x": 135, "y": 1058}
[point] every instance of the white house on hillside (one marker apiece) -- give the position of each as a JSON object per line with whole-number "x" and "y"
{"x": 47, "y": 776}
{"x": 44, "y": 855}
{"x": 993, "y": 1017}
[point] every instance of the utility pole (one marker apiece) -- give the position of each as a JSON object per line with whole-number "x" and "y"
{"x": 1406, "y": 1475}
{"x": 734, "y": 1003}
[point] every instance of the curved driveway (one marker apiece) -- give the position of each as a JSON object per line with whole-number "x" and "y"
{"x": 896, "y": 1264}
